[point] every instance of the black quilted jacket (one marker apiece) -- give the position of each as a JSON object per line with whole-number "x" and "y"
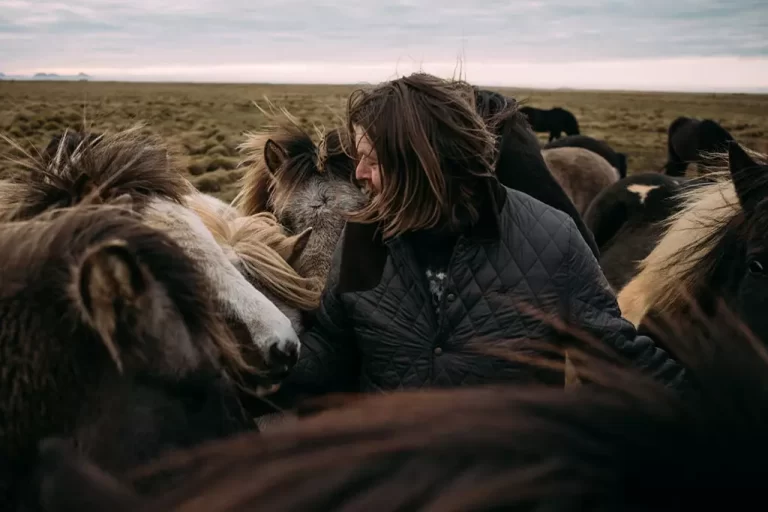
{"x": 376, "y": 329}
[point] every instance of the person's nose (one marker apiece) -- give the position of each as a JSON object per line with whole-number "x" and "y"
{"x": 362, "y": 171}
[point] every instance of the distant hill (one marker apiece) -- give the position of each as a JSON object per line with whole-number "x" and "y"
{"x": 45, "y": 76}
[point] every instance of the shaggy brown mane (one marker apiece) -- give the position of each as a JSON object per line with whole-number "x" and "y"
{"x": 688, "y": 252}
{"x": 263, "y": 191}
{"x": 97, "y": 170}
{"x": 38, "y": 257}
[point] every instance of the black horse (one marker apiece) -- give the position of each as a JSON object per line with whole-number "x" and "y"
{"x": 688, "y": 137}
{"x": 616, "y": 159}
{"x": 520, "y": 164}
{"x": 555, "y": 121}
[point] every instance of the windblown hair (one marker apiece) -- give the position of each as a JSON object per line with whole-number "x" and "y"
{"x": 262, "y": 248}
{"x": 95, "y": 170}
{"x": 434, "y": 151}
{"x": 684, "y": 260}
{"x": 268, "y": 190}
{"x": 629, "y": 443}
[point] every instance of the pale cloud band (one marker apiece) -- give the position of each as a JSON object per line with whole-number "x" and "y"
{"x": 649, "y": 44}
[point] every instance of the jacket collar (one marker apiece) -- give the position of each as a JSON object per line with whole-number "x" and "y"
{"x": 364, "y": 252}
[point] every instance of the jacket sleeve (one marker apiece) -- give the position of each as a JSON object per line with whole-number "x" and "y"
{"x": 592, "y": 307}
{"x": 328, "y": 358}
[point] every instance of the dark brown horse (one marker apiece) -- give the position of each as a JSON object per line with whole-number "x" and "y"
{"x": 520, "y": 164}
{"x": 109, "y": 339}
{"x": 689, "y": 140}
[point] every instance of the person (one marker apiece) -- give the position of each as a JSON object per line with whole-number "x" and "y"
{"x": 444, "y": 264}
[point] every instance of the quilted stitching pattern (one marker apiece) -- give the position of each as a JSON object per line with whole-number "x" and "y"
{"x": 388, "y": 338}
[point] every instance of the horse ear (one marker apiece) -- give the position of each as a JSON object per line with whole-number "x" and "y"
{"x": 124, "y": 201}
{"x": 110, "y": 279}
{"x": 299, "y": 243}
{"x": 274, "y": 155}
{"x": 62, "y": 469}
{"x": 748, "y": 176}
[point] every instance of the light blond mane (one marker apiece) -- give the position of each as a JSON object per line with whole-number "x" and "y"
{"x": 261, "y": 247}
{"x": 664, "y": 280}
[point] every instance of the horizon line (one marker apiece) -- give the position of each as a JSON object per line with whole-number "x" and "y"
{"x": 189, "y": 81}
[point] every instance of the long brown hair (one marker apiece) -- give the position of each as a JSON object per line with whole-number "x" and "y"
{"x": 433, "y": 148}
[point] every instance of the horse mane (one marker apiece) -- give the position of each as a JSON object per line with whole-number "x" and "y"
{"x": 686, "y": 254}
{"x": 261, "y": 190}
{"x": 28, "y": 246}
{"x": 95, "y": 170}
{"x": 491, "y": 447}
{"x": 262, "y": 248}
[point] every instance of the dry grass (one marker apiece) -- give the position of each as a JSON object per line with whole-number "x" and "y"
{"x": 204, "y": 123}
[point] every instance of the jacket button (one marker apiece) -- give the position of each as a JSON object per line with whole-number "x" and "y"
{"x": 438, "y": 351}
{"x": 451, "y": 297}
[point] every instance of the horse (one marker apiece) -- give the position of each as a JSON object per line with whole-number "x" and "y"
{"x": 555, "y": 121}
{"x": 125, "y": 164}
{"x": 305, "y": 185}
{"x": 484, "y": 448}
{"x": 689, "y": 140}
{"x": 712, "y": 247}
{"x": 519, "y": 164}
{"x": 616, "y": 159}
{"x": 626, "y": 220}
{"x": 109, "y": 340}
{"x": 267, "y": 256}
{"x": 583, "y": 174}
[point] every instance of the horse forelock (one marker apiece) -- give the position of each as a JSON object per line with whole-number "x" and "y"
{"x": 97, "y": 170}
{"x": 258, "y": 184}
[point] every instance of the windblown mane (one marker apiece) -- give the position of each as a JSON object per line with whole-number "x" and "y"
{"x": 261, "y": 190}
{"x": 616, "y": 446}
{"x": 98, "y": 169}
{"x": 687, "y": 253}
{"x": 261, "y": 246}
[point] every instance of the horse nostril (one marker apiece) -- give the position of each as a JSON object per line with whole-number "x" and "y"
{"x": 283, "y": 357}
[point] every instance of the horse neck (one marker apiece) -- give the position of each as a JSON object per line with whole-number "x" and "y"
{"x": 315, "y": 259}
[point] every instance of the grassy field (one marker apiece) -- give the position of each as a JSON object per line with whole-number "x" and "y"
{"x": 204, "y": 123}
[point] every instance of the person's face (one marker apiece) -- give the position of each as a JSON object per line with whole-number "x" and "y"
{"x": 368, "y": 171}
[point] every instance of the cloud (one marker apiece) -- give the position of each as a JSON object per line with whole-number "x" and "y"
{"x": 131, "y": 34}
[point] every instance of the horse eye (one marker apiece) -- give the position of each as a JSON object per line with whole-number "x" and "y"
{"x": 755, "y": 267}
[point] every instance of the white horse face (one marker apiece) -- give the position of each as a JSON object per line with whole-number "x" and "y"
{"x": 270, "y": 331}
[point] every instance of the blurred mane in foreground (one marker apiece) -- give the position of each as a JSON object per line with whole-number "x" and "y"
{"x": 624, "y": 442}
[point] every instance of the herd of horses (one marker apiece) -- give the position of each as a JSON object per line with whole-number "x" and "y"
{"x": 142, "y": 324}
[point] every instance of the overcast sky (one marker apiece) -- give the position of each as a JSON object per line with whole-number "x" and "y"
{"x": 639, "y": 44}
